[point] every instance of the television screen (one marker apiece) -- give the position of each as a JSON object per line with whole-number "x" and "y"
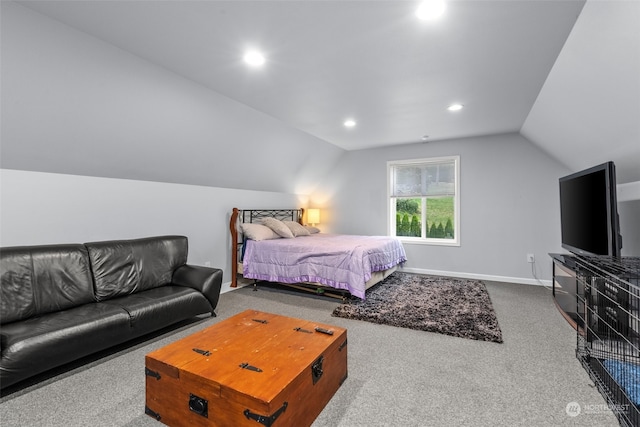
{"x": 588, "y": 212}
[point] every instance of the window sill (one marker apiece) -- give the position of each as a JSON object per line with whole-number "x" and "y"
{"x": 430, "y": 242}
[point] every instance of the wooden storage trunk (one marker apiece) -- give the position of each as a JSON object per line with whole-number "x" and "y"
{"x": 253, "y": 368}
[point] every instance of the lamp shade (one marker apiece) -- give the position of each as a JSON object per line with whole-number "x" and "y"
{"x": 313, "y": 216}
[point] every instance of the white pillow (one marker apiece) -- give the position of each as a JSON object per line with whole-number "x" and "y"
{"x": 312, "y": 230}
{"x": 258, "y": 232}
{"x": 296, "y": 228}
{"x": 279, "y": 227}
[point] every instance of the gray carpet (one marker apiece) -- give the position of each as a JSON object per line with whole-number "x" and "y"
{"x": 397, "y": 376}
{"x": 458, "y": 307}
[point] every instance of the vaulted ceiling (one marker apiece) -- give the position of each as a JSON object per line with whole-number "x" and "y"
{"x": 370, "y": 61}
{"x": 327, "y": 61}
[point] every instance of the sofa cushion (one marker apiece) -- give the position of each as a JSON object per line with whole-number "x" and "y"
{"x": 42, "y": 279}
{"x": 124, "y": 267}
{"x": 41, "y": 343}
{"x": 157, "y": 308}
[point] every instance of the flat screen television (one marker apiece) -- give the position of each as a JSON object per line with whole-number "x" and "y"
{"x": 588, "y": 212}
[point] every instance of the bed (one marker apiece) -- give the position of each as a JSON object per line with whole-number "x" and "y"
{"x": 331, "y": 264}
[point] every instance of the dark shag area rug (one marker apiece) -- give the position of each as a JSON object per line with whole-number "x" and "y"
{"x": 458, "y": 307}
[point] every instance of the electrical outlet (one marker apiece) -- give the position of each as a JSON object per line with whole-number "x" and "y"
{"x": 531, "y": 258}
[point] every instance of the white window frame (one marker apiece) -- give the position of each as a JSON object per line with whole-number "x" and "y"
{"x": 391, "y": 205}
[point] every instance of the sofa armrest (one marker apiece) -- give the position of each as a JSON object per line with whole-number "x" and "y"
{"x": 204, "y": 279}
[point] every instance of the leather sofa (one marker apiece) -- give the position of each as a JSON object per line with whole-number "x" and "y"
{"x": 62, "y": 302}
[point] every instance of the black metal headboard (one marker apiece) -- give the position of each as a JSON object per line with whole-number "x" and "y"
{"x": 255, "y": 215}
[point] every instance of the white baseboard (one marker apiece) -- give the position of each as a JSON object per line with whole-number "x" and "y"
{"x": 226, "y": 287}
{"x": 520, "y": 280}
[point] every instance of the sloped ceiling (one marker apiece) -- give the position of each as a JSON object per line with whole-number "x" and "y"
{"x": 327, "y": 61}
{"x": 373, "y": 61}
{"x": 588, "y": 110}
{"x": 74, "y": 104}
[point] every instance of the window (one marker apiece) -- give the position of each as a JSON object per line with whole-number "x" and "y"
{"x": 424, "y": 200}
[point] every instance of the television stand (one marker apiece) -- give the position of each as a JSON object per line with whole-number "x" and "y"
{"x": 565, "y": 288}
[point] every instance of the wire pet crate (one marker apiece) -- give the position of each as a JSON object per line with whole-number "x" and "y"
{"x": 609, "y": 342}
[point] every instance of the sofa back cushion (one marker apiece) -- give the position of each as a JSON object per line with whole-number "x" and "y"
{"x": 123, "y": 267}
{"x": 42, "y": 279}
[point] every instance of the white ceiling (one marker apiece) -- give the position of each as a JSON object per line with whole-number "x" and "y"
{"x": 372, "y": 61}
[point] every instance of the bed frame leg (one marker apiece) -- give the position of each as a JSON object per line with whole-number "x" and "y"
{"x": 255, "y": 286}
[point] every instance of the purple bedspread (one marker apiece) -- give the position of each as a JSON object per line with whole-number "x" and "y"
{"x": 336, "y": 260}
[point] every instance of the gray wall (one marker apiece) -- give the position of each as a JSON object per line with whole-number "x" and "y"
{"x": 509, "y": 205}
{"x": 629, "y": 212}
{"x": 74, "y": 104}
{"x": 46, "y": 208}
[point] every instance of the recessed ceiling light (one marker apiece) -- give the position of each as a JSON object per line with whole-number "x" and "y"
{"x": 254, "y": 58}
{"x": 430, "y": 10}
{"x": 349, "y": 123}
{"x": 455, "y": 107}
